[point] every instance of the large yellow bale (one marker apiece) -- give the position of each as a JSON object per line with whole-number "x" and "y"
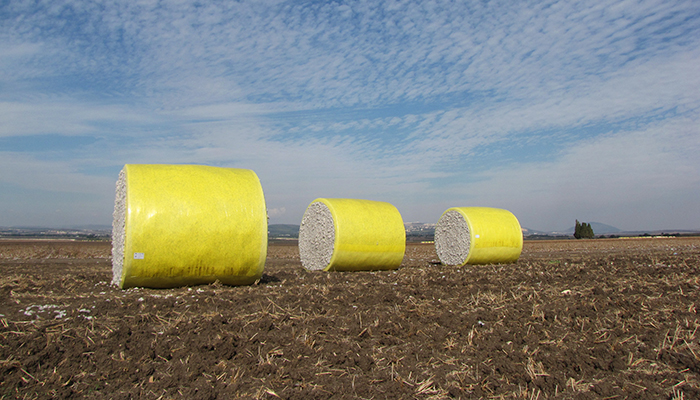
{"x": 351, "y": 235}
{"x": 478, "y": 235}
{"x": 178, "y": 225}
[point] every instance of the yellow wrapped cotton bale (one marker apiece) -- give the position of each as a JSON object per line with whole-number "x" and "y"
{"x": 178, "y": 225}
{"x": 478, "y": 235}
{"x": 351, "y": 235}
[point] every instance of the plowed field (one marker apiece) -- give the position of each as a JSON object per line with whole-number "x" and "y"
{"x": 587, "y": 319}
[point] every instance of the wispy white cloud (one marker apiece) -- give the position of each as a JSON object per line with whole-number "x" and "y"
{"x": 50, "y": 175}
{"x": 70, "y": 116}
{"x": 631, "y": 179}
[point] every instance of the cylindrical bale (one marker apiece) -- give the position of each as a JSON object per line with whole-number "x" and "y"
{"x": 351, "y": 235}
{"x": 478, "y": 235}
{"x": 179, "y": 225}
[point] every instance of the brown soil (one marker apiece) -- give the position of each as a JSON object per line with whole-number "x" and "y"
{"x": 570, "y": 320}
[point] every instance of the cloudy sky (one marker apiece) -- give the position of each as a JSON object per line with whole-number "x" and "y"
{"x": 554, "y": 110}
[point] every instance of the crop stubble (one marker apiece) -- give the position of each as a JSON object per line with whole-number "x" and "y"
{"x": 571, "y": 319}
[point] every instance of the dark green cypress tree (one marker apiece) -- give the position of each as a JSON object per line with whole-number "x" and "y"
{"x": 589, "y": 232}
{"x": 577, "y": 230}
{"x": 583, "y": 230}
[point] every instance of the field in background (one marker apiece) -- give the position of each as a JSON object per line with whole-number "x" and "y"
{"x": 571, "y": 319}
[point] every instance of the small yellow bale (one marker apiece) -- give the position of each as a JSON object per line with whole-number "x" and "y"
{"x": 478, "y": 235}
{"x": 351, "y": 235}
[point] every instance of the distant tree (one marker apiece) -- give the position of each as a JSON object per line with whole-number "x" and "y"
{"x": 583, "y": 230}
{"x": 577, "y": 230}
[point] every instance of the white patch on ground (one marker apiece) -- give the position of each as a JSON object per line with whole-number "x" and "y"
{"x": 39, "y": 311}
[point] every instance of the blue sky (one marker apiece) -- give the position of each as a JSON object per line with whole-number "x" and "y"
{"x": 553, "y": 110}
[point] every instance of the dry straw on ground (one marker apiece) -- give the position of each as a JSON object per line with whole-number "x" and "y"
{"x": 573, "y": 319}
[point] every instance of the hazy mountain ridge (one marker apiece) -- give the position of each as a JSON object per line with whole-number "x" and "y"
{"x": 416, "y": 230}
{"x": 99, "y": 232}
{"x": 598, "y": 228}
{"x": 283, "y": 231}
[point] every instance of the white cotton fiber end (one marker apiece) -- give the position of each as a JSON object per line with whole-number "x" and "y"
{"x": 452, "y": 238}
{"x": 119, "y": 229}
{"x": 316, "y": 237}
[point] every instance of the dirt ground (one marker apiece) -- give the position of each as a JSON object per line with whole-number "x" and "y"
{"x": 586, "y": 319}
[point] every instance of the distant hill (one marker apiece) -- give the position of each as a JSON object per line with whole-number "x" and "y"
{"x": 528, "y": 231}
{"x": 419, "y": 229}
{"x": 89, "y": 227}
{"x": 598, "y": 229}
{"x": 55, "y": 233}
{"x": 415, "y": 231}
{"x": 283, "y": 231}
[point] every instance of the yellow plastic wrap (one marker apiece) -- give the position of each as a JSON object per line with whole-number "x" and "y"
{"x": 178, "y": 225}
{"x": 478, "y": 235}
{"x": 351, "y": 235}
